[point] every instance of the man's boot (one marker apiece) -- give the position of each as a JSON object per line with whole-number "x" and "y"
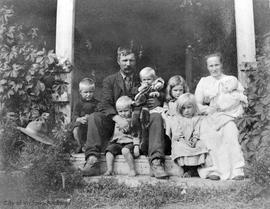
{"x": 157, "y": 169}
{"x": 91, "y": 167}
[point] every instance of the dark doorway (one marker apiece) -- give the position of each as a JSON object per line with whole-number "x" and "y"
{"x": 161, "y": 29}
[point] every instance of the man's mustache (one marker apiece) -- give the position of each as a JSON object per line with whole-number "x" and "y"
{"x": 129, "y": 67}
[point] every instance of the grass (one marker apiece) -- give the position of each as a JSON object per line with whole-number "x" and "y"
{"x": 107, "y": 193}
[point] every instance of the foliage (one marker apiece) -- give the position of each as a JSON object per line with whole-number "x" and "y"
{"x": 46, "y": 168}
{"x": 254, "y": 125}
{"x": 28, "y": 83}
{"x": 260, "y": 167}
{"x": 11, "y": 141}
{"x": 49, "y": 169}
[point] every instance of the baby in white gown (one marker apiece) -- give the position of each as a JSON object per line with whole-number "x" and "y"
{"x": 229, "y": 99}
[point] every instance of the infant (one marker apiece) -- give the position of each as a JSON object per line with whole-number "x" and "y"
{"x": 151, "y": 86}
{"x": 230, "y": 98}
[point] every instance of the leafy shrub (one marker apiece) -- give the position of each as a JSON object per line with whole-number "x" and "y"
{"x": 254, "y": 125}
{"x": 28, "y": 76}
{"x": 30, "y": 82}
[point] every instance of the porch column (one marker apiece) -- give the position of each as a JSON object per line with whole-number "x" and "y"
{"x": 65, "y": 24}
{"x": 245, "y": 37}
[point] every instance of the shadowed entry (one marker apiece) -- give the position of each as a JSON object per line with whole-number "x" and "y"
{"x": 172, "y": 36}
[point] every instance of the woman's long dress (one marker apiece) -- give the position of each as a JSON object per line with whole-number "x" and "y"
{"x": 220, "y": 134}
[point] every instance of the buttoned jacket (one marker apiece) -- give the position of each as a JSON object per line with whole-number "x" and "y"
{"x": 113, "y": 88}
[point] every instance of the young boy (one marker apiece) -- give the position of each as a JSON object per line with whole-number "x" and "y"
{"x": 123, "y": 140}
{"x": 230, "y": 99}
{"x": 82, "y": 110}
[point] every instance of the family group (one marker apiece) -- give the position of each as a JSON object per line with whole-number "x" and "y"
{"x": 137, "y": 114}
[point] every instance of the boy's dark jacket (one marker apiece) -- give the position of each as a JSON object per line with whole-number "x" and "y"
{"x": 81, "y": 108}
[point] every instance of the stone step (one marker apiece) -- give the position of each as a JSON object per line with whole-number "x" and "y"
{"x": 121, "y": 168}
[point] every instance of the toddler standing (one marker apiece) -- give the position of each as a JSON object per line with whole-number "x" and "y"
{"x": 187, "y": 148}
{"x": 123, "y": 141}
{"x": 84, "y": 107}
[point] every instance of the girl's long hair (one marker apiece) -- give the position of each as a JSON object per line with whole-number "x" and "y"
{"x": 175, "y": 81}
{"x": 186, "y": 98}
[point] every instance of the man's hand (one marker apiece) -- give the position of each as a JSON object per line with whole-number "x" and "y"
{"x": 121, "y": 122}
{"x": 82, "y": 120}
{"x": 153, "y": 102}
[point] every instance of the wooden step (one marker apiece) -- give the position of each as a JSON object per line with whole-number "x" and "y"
{"x": 121, "y": 168}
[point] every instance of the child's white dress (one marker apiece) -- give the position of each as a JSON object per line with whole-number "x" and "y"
{"x": 181, "y": 130}
{"x": 169, "y": 110}
{"x": 170, "y": 107}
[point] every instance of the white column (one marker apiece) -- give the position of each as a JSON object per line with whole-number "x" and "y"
{"x": 65, "y": 24}
{"x": 245, "y": 36}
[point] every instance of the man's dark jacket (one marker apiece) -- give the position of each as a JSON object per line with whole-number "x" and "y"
{"x": 113, "y": 88}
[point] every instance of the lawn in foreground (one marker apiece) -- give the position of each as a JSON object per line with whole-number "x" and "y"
{"x": 108, "y": 193}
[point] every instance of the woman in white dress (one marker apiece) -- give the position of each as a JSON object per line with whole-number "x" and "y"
{"x": 218, "y": 131}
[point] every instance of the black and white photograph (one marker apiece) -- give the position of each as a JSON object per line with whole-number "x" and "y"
{"x": 148, "y": 104}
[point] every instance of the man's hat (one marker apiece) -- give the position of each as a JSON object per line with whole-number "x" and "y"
{"x": 37, "y": 130}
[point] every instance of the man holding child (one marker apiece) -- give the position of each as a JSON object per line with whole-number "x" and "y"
{"x": 101, "y": 123}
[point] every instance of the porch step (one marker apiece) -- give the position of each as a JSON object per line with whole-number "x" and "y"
{"x": 121, "y": 168}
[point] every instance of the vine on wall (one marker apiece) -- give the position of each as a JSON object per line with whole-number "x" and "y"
{"x": 254, "y": 125}
{"x": 27, "y": 75}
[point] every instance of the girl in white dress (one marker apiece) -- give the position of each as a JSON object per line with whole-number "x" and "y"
{"x": 218, "y": 130}
{"x": 176, "y": 87}
{"x": 184, "y": 129}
